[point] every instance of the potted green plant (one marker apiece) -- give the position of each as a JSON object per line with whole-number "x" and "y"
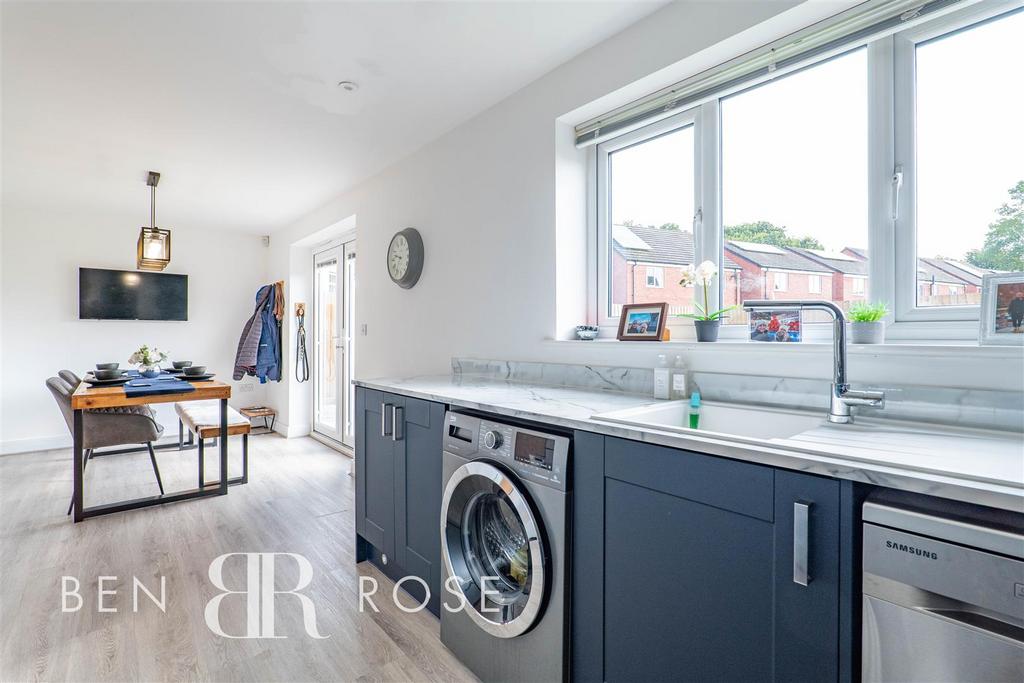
{"x": 705, "y": 321}
{"x": 866, "y": 322}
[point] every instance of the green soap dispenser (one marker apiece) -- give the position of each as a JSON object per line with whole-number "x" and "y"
{"x": 695, "y": 410}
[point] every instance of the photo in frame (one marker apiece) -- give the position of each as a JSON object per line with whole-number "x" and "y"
{"x": 642, "y": 322}
{"x": 784, "y": 325}
{"x": 1002, "y": 309}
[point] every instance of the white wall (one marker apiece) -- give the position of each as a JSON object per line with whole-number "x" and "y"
{"x": 484, "y": 197}
{"x": 41, "y": 253}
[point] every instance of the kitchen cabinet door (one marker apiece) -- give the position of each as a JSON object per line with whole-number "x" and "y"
{"x": 683, "y": 565}
{"x": 418, "y": 495}
{"x": 375, "y": 469}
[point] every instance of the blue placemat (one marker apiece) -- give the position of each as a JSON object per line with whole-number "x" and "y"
{"x": 163, "y": 384}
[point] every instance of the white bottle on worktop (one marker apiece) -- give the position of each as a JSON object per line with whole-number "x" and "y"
{"x": 677, "y": 389}
{"x": 662, "y": 377}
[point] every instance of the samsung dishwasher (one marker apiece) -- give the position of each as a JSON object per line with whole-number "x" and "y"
{"x": 943, "y": 591}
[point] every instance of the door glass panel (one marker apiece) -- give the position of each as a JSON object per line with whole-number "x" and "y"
{"x": 496, "y": 545}
{"x": 326, "y": 282}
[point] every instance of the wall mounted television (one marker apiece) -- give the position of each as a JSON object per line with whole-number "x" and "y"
{"x": 131, "y": 295}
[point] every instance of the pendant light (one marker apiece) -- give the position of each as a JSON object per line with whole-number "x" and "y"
{"x": 154, "y": 249}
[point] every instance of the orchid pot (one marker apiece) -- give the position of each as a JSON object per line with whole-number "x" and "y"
{"x": 707, "y": 330}
{"x": 705, "y": 321}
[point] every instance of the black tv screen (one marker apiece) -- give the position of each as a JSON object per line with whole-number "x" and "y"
{"x": 131, "y": 295}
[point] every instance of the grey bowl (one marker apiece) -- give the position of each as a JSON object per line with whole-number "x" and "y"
{"x": 107, "y": 366}
{"x": 179, "y": 364}
{"x": 108, "y": 373}
{"x": 195, "y": 370}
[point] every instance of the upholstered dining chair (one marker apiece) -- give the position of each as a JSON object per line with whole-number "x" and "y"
{"x": 71, "y": 378}
{"x": 109, "y": 427}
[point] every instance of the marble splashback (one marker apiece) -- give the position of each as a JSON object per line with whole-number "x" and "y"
{"x": 937, "y": 405}
{"x": 595, "y": 377}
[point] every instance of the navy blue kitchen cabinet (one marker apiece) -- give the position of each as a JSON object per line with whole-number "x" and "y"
{"x": 687, "y": 568}
{"x": 398, "y": 488}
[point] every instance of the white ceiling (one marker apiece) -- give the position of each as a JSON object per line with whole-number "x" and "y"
{"x": 236, "y": 104}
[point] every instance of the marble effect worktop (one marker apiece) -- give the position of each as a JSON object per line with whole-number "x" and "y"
{"x": 985, "y": 467}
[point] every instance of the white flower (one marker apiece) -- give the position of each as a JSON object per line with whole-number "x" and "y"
{"x": 688, "y": 276}
{"x": 706, "y": 271}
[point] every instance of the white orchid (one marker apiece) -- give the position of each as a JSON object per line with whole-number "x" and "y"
{"x": 706, "y": 272}
{"x": 688, "y": 276}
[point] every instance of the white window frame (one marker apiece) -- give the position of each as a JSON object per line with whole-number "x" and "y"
{"x": 858, "y": 284}
{"x": 904, "y": 142}
{"x": 602, "y": 249}
{"x": 892, "y": 267}
{"x": 780, "y": 285}
{"x": 656, "y": 273}
{"x": 814, "y": 284}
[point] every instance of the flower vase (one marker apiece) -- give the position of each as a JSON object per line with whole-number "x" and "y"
{"x": 707, "y": 330}
{"x": 149, "y": 371}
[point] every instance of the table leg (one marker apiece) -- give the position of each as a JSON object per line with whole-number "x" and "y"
{"x": 223, "y": 446}
{"x": 78, "y": 465}
{"x": 202, "y": 462}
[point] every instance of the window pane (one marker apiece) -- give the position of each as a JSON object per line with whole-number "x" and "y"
{"x": 970, "y": 160}
{"x": 794, "y": 187}
{"x": 651, "y": 238}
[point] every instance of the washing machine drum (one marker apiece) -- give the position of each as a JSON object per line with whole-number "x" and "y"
{"x": 492, "y": 546}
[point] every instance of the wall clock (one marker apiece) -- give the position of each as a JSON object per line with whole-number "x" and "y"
{"x": 405, "y": 257}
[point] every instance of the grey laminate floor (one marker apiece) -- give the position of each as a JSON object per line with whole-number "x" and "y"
{"x": 299, "y": 500}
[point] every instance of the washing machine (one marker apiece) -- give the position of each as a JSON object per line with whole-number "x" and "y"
{"x": 505, "y": 540}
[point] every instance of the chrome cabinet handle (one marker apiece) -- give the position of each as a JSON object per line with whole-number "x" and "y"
{"x": 801, "y": 542}
{"x": 384, "y": 431}
{"x": 397, "y": 419}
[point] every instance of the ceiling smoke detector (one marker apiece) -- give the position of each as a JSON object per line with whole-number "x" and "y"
{"x": 348, "y": 86}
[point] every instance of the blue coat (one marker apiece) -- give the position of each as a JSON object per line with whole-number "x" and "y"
{"x": 268, "y": 356}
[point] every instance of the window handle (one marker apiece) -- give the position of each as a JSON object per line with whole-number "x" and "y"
{"x": 698, "y": 218}
{"x": 897, "y": 185}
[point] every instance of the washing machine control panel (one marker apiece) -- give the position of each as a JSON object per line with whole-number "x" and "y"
{"x": 533, "y": 455}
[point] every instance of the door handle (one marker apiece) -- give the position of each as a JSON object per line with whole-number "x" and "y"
{"x": 397, "y": 418}
{"x": 801, "y": 542}
{"x": 384, "y": 431}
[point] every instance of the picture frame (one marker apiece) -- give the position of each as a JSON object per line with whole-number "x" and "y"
{"x": 643, "y": 322}
{"x": 1002, "y": 318}
{"x": 784, "y": 325}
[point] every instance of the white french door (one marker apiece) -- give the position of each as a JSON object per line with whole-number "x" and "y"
{"x": 333, "y": 294}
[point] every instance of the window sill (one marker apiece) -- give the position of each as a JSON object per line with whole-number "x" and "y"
{"x": 933, "y": 348}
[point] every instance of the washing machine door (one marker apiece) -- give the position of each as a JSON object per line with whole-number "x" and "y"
{"x": 490, "y": 540}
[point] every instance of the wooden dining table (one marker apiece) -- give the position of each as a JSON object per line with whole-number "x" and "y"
{"x": 87, "y": 398}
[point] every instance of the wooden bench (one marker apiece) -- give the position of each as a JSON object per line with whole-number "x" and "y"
{"x": 202, "y": 418}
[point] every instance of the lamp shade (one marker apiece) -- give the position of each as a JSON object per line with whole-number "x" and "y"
{"x": 154, "y": 249}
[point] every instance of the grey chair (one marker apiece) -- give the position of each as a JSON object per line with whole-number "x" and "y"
{"x": 71, "y": 378}
{"x": 109, "y": 427}
{"x": 74, "y": 380}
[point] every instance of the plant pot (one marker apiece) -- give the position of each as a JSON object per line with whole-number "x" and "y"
{"x": 867, "y": 333}
{"x": 707, "y": 330}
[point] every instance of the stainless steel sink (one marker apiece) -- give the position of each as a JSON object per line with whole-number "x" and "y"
{"x": 755, "y": 423}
